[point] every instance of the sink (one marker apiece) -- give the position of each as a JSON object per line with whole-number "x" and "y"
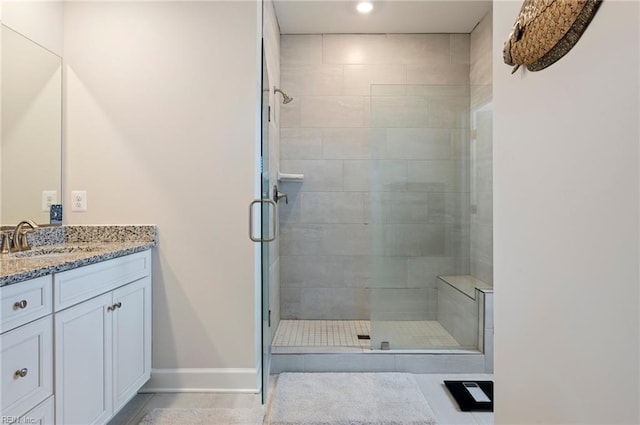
{"x": 52, "y": 251}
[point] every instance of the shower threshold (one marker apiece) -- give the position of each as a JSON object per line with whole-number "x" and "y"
{"x": 350, "y": 336}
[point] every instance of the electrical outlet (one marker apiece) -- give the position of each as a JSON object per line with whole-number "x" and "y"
{"x": 49, "y": 197}
{"x": 78, "y": 200}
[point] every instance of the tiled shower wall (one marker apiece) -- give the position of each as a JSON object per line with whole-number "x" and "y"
{"x": 381, "y": 210}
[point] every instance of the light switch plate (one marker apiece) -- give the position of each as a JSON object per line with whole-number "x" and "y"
{"x": 49, "y": 197}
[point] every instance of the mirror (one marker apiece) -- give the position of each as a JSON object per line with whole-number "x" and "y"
{"x": 31, "y": 130}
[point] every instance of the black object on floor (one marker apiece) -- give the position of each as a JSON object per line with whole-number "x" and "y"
{"x": 464, "y": 399}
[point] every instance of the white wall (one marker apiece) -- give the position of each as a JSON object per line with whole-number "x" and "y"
{"x": 567, "y": 228}
{"x": 41, "y": 21}
{"x": 161, "y": 122}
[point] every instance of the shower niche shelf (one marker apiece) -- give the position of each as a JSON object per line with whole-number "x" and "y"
{"x": 290, "y": 177}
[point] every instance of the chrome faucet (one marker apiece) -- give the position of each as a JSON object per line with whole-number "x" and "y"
{"x": 19, "y": 241}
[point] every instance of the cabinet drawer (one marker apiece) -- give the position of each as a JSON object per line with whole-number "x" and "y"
{"x": 24, "y": 302}
{"x": 26, "y": 372}
{"x": 74, "y": 286}
{"x": 43, "y": 414}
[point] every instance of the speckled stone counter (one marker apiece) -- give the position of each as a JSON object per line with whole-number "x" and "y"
{"x": 69, "y": 247}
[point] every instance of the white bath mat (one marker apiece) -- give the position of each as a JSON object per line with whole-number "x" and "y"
{"x": 349, "y": 399}
{"x": 211, "y": 416}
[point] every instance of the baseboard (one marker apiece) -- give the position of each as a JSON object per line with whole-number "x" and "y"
{"x": 228, "y": 380}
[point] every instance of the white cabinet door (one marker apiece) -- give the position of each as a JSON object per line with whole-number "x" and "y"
{"x": 83, "y": 363}
{"x": 131, "y": 340}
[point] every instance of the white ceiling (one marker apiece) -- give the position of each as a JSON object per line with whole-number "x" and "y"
{"x": 388, "y": 16}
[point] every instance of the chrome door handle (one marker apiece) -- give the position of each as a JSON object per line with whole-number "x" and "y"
{"x": 274, "y": 219}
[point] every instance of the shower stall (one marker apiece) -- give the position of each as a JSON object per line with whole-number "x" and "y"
{"x": 385, "y": 245}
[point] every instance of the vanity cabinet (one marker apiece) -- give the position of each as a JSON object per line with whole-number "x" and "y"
{"x": 76, "y": 346}
{"x": 103, "y": 344}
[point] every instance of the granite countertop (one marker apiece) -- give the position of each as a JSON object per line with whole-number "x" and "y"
{"x": 69, "y": 247}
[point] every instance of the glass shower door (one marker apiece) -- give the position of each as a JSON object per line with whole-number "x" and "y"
{"x": 267, "y": 225}
{"x": 418, "y": 211}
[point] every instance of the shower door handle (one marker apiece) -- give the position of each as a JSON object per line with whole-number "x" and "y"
{"x": 274, "y": 220}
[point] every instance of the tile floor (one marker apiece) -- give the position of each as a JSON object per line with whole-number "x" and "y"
{"x": 344, "y": 333}
{"x": 322, "y": 333}
{"x": 443, "y": 405}
{"x": 133, "y": 412}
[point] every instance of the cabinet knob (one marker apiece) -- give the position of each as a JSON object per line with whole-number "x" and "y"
{"x": 118, "y": 304}
{"x": 20, "y": 373}
{"x": 20, "y": 304}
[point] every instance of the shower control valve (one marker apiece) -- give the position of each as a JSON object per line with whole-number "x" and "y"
{"x": 277, "y": 195}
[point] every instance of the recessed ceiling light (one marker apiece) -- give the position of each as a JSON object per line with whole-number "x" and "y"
{"x": 364, "y": 7}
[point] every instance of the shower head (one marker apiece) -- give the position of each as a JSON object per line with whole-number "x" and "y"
{"x": 285, "y": 98}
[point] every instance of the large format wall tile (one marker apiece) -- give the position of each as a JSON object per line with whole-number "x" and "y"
{"x": 313, "y": 80}
{"x": 359, "y": 78}
{"x": 480, "y": 54}
{"x": 346, "y": 239}
{"x": 319, "y": 175}
{"x": 418, "y": 143}
{"x": 309, "y": 271}
{"x": 332, "y": 111}
{"x": 375, "y": 175}
{"x": 290, "y": 303}
{"x": 353, "y": 143}
{"x": 290, "y": 114}
{"x": 437, "y": 176}
{"x": 300, "y": 50}
{"x": 300, "y": 239}
{"x": 438, "y": 73}
{"x": 300, "y": 143}
{"x": 460, "y": 48}
{"x": 396, "y": 207}
{"x": 418, "y": 48}
{"x": 355, "y": 49}
{"x": 448, "y": 112}
{"x": 399, "y": 111}
{"x": 423, "y": 272}
{"x": 401, "y": 304}
{"x": 324, "y": 207}
{"x": 458, "y": 314}
{"x": 335, "y": 303}
{"x": 414, "y": 240}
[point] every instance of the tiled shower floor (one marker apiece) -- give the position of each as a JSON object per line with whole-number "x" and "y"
{"x": 342, "y": 335}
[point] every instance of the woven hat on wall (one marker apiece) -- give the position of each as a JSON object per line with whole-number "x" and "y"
{"x": 546, "y": 30}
